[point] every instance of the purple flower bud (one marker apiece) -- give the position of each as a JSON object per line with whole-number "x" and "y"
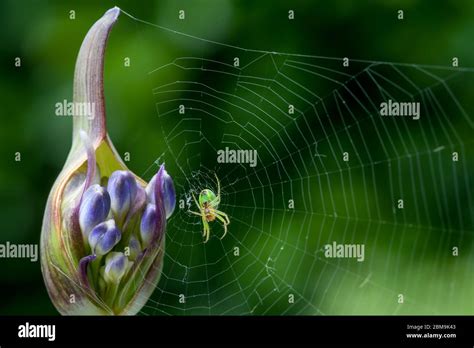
{"x": 169, "y": 194}
{"x": 95, "y": 206}
{"x": 150, "y": 225}
{"x": 150, "y": 190}
{"x": 116, "y": 265}
{"x": 122, "y": 188}
{"x": 140, "y": 200}
{"x": 104, "y": 237}
{"x": 168, "y": 191}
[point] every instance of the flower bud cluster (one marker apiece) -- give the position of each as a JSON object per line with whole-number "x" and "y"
{"x": 119, "y": 222}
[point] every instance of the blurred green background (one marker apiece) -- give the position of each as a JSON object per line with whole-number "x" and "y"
{"x": 407, "y": 252}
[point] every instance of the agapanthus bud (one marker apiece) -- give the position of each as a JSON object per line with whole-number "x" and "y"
{"x": 150, "y": 224}
{"x": 94, "y": 208}
{"x": 139, "y": 202}
{"x": 104, "y": 237}
{"x": 122, "y": 188}
{"x": 116, "y": 264}
{"x": 168, "y": 192}
{"x": 81, "y": 252}
{"x": 150, "y": 190}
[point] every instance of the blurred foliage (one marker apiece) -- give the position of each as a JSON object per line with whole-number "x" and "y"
{"x": 47, "y": 41}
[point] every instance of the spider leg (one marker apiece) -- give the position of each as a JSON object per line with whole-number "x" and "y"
{"x": 195, "y": 201}
{"x": 222, "y": 214}
{"x": 215, "y": 202}
{"x": 195, "y": 213}
{"x": 223, "y": 218}
{"x": 206, "y": 229}
{"x": 218, "y": 186}
{"x": 224, "y": 224}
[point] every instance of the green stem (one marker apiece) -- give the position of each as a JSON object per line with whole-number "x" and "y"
{"x": 111, "y": 293}
{"x": 95, "y": 269}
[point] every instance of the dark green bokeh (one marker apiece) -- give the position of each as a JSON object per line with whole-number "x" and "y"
{"x": 402, "y": 258}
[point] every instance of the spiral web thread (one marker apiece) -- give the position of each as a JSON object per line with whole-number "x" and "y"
{"x": 280, "y": 250}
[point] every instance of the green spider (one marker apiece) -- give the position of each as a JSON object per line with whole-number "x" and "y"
{"x": 207, "y": 205}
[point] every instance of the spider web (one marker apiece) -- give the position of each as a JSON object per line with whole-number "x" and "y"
{"x": 272, "y": 260}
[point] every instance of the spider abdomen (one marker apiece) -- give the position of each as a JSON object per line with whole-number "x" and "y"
{"x": 210, "y": 217}
{"x": 206, "y": 197}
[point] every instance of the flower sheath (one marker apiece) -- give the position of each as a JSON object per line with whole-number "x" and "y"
{"x": 103, "y": 233}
